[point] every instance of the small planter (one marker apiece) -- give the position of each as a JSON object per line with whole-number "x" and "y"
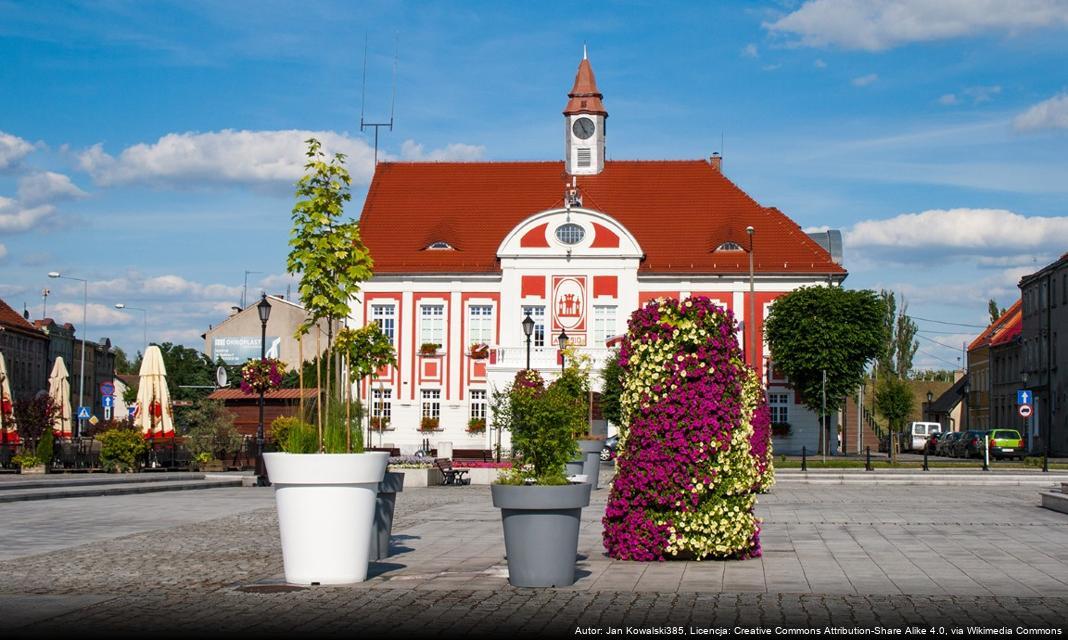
{"x": 34, "y": 470}
{"x": 384, "y": 506}
{"x": 326, "y": 510}
{"x": 541, "y": 529}
{"x": 591, "y": 459}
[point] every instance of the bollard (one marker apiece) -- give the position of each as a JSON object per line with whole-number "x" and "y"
{"x": 804, "y": 462}
{"x": 867, "y": 462}
{"x": 1045, "y": 462}
{"x": 986, "y": 452}
{"x": 926, "y": 447}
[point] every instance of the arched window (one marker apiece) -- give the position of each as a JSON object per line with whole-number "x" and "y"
{"x": 440, "y": 244}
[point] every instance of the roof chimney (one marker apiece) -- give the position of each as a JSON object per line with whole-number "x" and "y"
{"x": 716, "y": 161}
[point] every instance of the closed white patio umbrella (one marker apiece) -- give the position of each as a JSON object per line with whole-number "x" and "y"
{"x": 8, "y": 434}
{"x": 59, "y": 391}
{"x": 153, "y": 414}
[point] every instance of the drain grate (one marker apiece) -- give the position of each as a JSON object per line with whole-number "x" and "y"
{"x": 270, "y": 588}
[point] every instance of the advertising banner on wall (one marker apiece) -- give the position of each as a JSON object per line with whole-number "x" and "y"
{"x": 241, "y": 349}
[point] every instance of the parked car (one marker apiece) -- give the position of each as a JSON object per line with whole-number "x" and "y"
{"x": 946, "y": 443}
{"x": 932, "y": 442}
{"x": 608, "y": 451}
{"x": 921, "y": 431}
{"x": 1006, "y": 443}
{"x": 970, "y": 444}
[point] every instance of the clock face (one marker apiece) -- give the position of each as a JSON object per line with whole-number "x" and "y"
{"x": 583, "y": 128}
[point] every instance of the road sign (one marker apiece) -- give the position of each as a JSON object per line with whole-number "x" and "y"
{"x": 93, "y": 420}
{"x": 83, "y": 413}
{"x": 107, "y": 413}
{"x": 130, "y": 411}
{"x": 1023, "y": 396}
{"x": 107, "y": 401}
{"x": 1025, "y": 411}
{"x": 107, "y": 389}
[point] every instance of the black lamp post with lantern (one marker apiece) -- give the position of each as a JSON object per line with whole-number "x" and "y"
{"x": 528, "y": 330}
{"x": 562, "y": 340}
{"x": 264, "y": 309}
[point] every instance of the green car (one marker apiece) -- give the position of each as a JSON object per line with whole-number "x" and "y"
{"x": 1006, "y": 443}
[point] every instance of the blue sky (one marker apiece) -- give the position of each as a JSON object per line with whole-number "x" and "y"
{"x": 151, "y": 147}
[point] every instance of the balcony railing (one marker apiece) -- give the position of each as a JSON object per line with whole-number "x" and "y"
{"x": 514, "y": 358}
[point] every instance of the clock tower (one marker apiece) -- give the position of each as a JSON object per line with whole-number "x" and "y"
{"x": 584, "y": 120}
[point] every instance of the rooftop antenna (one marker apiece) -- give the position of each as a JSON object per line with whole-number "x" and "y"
{"x": 363, "y": 96}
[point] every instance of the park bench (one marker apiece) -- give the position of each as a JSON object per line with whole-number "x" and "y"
{"x": 450, "y": 475}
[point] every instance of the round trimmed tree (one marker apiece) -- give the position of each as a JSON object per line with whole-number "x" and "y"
{"x": 695, "y": 445}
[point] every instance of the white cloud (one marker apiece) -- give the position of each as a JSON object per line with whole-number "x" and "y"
{"x": 15, "y": 217}
{"x": 864, "y": 81}
{"x": 876, "y": 25}
{"x": 1048, "y": 114}
{"x": 12, "y": 149}
{"x": 939, "y": 234}
{"x": 771, "y": 67}
{"x": 982, "y": 93}
{"x": 46, "y": 186}
{"x": 241, "y": 157}
{"x": 751, "y": 51}
{"x": 3, "y": 252}
{"x": 819, "y": 63}
{"x": 96, "y": 315}
{"x": 948, "y": 100}
{"x": 455, "y": 151}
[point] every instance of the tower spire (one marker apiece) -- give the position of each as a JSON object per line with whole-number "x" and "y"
{"x": 584, "y": 56}
{"x": 584, "y": 96}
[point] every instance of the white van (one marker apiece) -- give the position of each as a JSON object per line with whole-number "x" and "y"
{"x": 921, "y": 431}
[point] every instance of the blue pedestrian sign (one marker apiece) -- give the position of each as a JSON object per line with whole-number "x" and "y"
{"x": 83, "y": 413}
{"x": 130, "y": 411}
{"x": 1023, "y": 396}
{"x": 107, "y": 401}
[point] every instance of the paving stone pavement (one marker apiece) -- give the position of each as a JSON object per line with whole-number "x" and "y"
{"x": 863, "y": 556}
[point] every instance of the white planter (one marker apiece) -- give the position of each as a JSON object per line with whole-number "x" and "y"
{"x": 326, "y": 508}
{"x": 420, "y": 477}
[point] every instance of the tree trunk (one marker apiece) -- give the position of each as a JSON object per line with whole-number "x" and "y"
{"x": 318, "y": 388}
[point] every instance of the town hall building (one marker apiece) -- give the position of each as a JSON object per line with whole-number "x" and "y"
{"x": 465, "y": 251}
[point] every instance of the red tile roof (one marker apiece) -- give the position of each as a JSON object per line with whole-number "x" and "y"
{"x": 277, "y": 394}
{"x": 584, "y": 96}
{"x": 1010, "y": 328}
{"x": 988, "y": 334}
{"x": 13, "y": 319}
{"x": 679, "y": 211}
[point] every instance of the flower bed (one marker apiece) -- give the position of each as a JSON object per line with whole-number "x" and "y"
{"x": 482, "y": 465}
{"x": 410, "y": 462}
{"x": 696, "y": 448}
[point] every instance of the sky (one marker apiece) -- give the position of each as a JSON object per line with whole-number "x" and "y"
{"x": 151, "y": 148}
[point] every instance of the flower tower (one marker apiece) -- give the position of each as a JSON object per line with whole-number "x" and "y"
{"x": 695, "y": 447}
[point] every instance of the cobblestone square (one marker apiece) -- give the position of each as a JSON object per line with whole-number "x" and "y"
{"x": 174, "y": 564}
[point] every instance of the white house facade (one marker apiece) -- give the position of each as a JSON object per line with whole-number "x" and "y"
{"x": 464, "y": 252}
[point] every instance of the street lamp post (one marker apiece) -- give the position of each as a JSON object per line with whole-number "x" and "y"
{"x": 528, "y": 329}
{"x": 562, "y": 340}
{"x": 927, "y": 411}
{"x": 144, "y": 314}
{"x": 264, "y": 309}
{"x": 752, "y": 301}
{"x": 85, "y": 331}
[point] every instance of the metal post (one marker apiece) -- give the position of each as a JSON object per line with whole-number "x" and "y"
{"x": 528, "y": 353}
{"x": 823, "y": 418}
{"x": 81, "y": 373}
{"x": 867, "y": 461}
{"x": 926, "y": 447}
{"x": 261, "y": 470}
{"x": 804, "y": 461}
{"x": 986, "y": 452}
{"x": 752, "y": 303}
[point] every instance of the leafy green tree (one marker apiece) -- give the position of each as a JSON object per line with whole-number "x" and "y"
{"x": 327, "y": 253}
{"x": 367, "y": 349}
{"x": 209, "y": 428}
{"x": 612, "y": 375}
{"x": 894, "y": 400}
{"x": 186, "y": 367}
{"x": 33, "y": 417}
{"x": 995, "y": 313}
{"x": 901, "y": 345}
{"x": 820, "y": 329}
{"x": 122, "y": 362}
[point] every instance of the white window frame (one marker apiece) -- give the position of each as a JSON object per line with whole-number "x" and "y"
{"x": 382, "y": 402}
{"x": 537, "y": 314}
{"x": 431, "y": 403}
{"x": 480, "y": 324}
{"x": 604, "y": 323}
{"x": 386, "y": 317}
{"x": 779, "y": 406}
{"x": 432, "y": 325}
{"x": 478, "y": 404}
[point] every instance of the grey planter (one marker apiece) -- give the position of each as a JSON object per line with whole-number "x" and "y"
{"x": 541, "y": 528}
{"x": 575, "y": 467}
{"x": 382, "y": 528}
{"x": 591, "y": 460}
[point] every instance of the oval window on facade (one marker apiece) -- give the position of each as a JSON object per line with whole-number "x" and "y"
{"x": 570, "y": 233}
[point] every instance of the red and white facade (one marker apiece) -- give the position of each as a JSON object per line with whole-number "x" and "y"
{"x": 463, "y": 251}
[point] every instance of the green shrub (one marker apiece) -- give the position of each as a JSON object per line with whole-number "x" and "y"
{"x": 212, "y": 430}
{"x": 301, "y": 436}
{"x": 46, "y": 447}
{"x": 26, "y": 460}
{"x": 120, "y": 448}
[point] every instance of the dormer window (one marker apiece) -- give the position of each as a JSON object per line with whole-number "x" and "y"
{"x": 730, "y": 246}
{"x": 441, "y": 245}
